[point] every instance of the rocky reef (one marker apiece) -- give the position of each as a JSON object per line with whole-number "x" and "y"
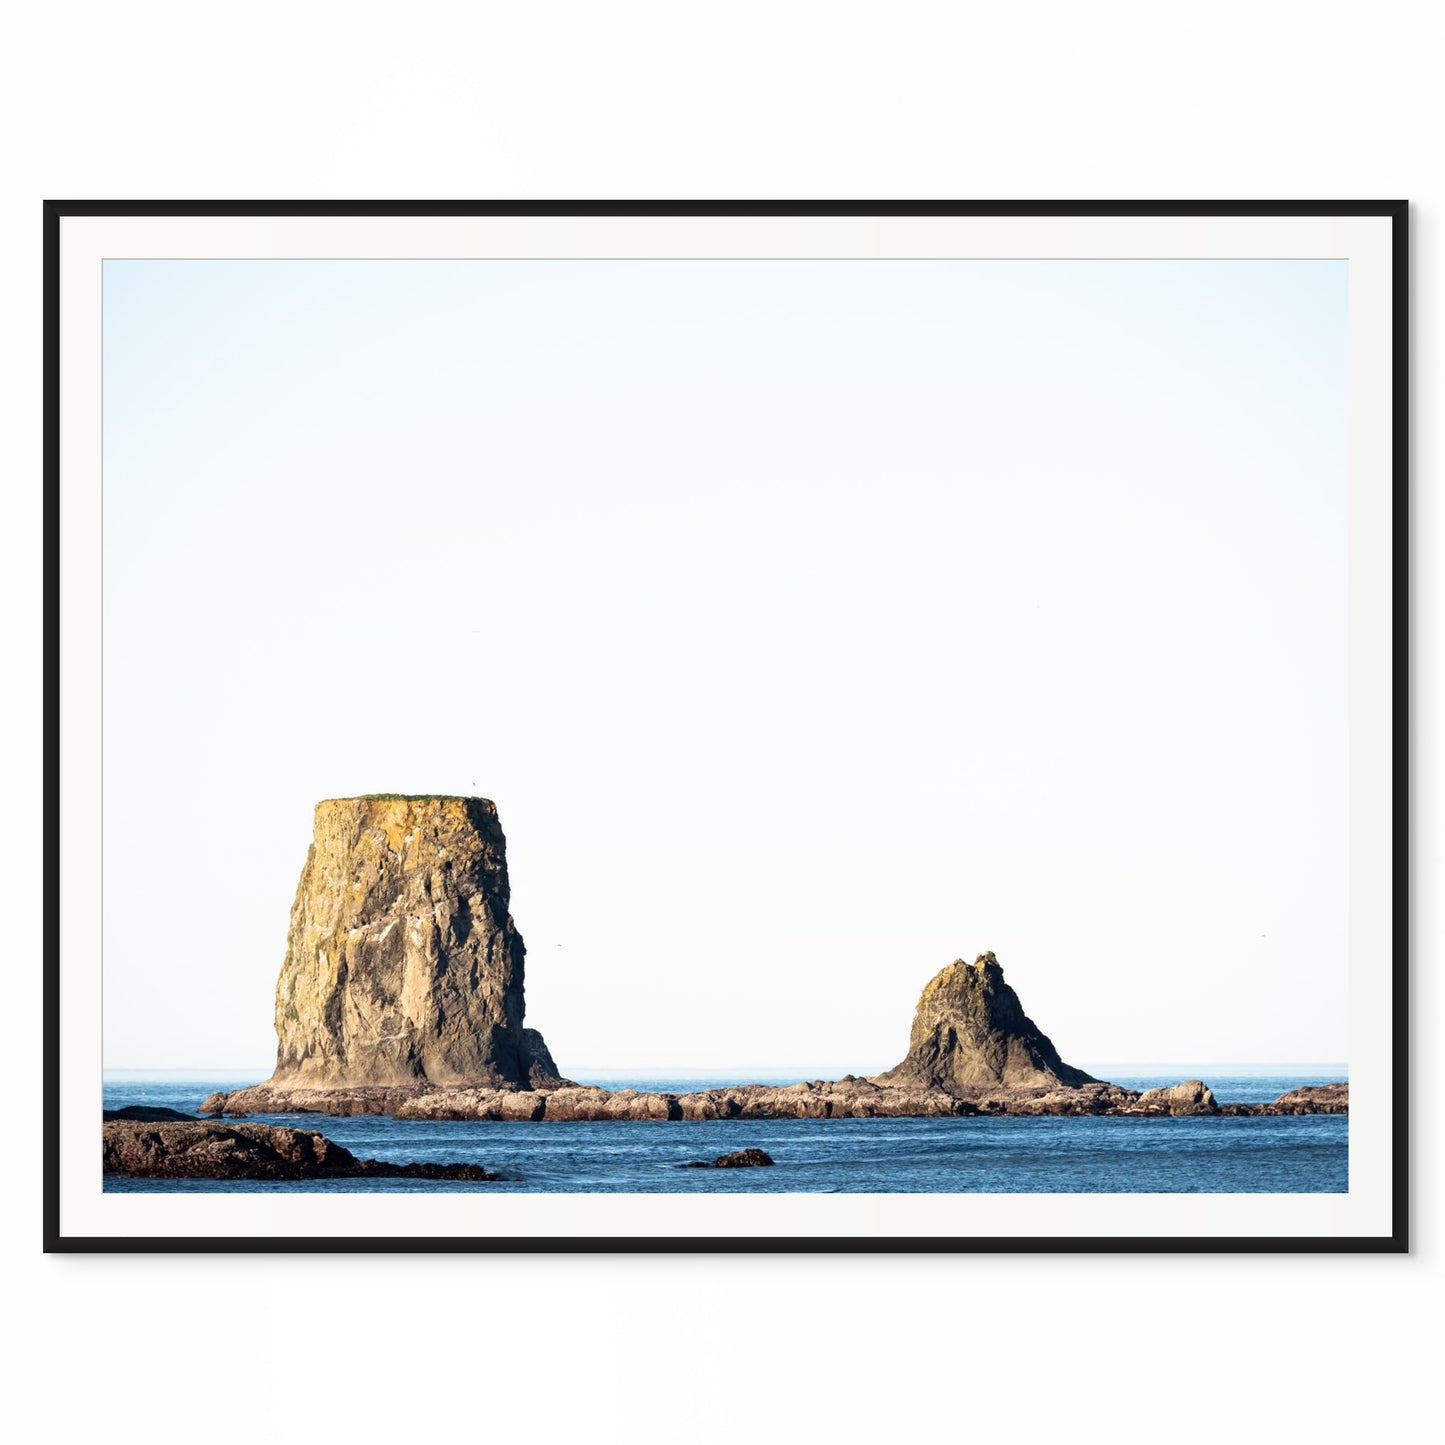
{"x": 403, "y": 965}
{"x": 201, "y": 1149}
{"x": 847, "y": 1098}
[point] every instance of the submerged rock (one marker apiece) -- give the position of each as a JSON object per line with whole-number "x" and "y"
{"x": 402, "y": 962}
{"x": 201, "y": 1149}
{"x": 970, "y": 1032}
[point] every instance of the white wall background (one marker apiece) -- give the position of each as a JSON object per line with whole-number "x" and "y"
{"x": 907, "y": 101}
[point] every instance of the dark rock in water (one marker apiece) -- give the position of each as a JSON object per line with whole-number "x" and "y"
{"x": 971, "y": 1033}
{"x": 466, "y": 1173}
{"x": 402, "y": 962}
{"x": 201, "y": 1149}
{"x": 148, "y": 1114}
{"x": 742, "y": 1159}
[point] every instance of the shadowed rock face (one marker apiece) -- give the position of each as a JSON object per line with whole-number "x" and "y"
{"x": 970, "y": 1033}
{"x": 403, "y": 964}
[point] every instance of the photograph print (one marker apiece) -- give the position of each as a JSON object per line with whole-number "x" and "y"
{"x": 726, "y": 728}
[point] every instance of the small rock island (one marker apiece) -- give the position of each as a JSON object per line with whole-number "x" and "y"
{"x": 402, "y": 993}
{"x": 187, "y": 1148}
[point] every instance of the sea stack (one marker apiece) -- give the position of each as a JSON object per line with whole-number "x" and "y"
{"x": 403, "y": 965}
{"x": 970, "y": 1033}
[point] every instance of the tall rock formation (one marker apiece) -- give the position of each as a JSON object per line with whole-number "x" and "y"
{"x": 403, "y": 965}
{"x": 971, "y": 1033}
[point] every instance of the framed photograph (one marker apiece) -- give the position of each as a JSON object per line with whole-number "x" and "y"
{"x": 924, "y": 680}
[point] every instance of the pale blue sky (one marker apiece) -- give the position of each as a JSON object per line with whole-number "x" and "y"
{"x": 811, "y": 624}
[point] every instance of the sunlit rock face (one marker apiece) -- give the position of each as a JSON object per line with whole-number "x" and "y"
{"x": 403, "y": 964}
{"x": 970, "y": 1033}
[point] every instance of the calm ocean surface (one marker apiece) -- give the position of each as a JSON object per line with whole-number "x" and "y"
{"x": 1289, "y": 1155}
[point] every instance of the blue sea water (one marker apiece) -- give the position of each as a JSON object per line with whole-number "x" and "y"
{"x": 1293, "y": 1154}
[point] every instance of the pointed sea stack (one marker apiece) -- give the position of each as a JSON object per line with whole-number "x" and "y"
{"x": 970, "y": 1033}
{"x": 403, "y": 965}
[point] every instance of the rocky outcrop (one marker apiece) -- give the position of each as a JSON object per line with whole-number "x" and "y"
{"x": 403, "y": 965}
{"x": 339, "y": 1102}
{"x": 1308, "y": 1099}
{"x": 1084, "y": 1099}
{"x": 970, "y": 1033}
{"x": 1190, "y": 1097}
{"x": 848, "y": 1098}
{"x": 1314, "y": 1099}
{"x": 200, "y": 1149}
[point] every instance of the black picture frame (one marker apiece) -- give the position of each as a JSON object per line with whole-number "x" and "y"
{"x": 1395, "y": 211}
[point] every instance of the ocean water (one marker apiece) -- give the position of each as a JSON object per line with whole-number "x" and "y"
{"x": 1294, "y": 1154}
